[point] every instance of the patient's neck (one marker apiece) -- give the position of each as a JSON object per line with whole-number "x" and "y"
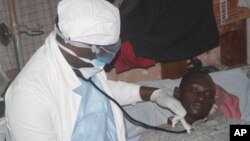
{"x": 189, "y": 120}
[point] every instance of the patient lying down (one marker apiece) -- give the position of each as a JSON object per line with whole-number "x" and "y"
{"x": 197, "y": 93}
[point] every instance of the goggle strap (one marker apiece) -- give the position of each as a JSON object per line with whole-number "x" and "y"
{"x": 95, "y": 49}
{"x": 76, "y": 44}
{"x": 72, "y": 53}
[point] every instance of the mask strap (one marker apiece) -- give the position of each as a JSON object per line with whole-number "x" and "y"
{"x": 107, "y": 51}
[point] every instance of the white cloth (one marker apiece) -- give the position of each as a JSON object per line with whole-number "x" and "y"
{"x": 89, "y": 21}
{"x": 40, "y": 103}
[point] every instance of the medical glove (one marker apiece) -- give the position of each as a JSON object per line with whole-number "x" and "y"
{"x": 163, "y": 98}
{"x": 184, "y": 123}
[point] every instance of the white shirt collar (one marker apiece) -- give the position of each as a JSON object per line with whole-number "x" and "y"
{"x": 89, "y": 72}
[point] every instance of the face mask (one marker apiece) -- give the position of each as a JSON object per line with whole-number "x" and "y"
{"x": 104, "y": 54}
{"x": 96, "y": 63}
{"x": 107, "y": 53}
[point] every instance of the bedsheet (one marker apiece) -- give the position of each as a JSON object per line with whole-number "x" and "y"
{"x": 210, "y": 130}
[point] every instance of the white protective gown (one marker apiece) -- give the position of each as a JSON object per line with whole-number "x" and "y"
{"x": 40, "y": 103}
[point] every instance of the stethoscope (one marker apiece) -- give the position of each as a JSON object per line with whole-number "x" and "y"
{"x": 125, "y": 114}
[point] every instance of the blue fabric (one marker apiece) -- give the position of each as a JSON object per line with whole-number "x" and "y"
{"x": 95, "y": 121}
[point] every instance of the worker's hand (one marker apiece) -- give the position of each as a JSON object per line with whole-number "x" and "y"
{"x": 185, "y": 125}
{"x": 163, "y": 98}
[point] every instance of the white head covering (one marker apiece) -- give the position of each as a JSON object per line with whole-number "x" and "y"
{"x": 89, "y": 21}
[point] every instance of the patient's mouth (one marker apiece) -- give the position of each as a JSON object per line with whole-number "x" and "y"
{"x": 197, "y": 106}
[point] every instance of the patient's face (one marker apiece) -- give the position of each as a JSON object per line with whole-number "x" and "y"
{"x": 197, "y": 95}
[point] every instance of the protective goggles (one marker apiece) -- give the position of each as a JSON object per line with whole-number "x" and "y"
{"x": 103, "y": 53}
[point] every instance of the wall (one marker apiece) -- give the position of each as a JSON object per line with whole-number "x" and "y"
{"x": 248, "y": 40}
{"x": 138, "y": 74}
{"x": 7, "y": 56}
{"x": 29, "y": 13}
{"x": 246, "y": 3}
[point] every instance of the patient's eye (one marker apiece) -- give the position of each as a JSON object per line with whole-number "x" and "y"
{"x": 197, "y": 89}
{"x": 208, "y": 94}
{"x": 194, "y": 89}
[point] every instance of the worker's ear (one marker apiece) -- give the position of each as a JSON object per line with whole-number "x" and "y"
{"x": 177, "y": 93}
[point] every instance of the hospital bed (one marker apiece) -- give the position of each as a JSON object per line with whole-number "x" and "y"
{"x": 235, "y": 81}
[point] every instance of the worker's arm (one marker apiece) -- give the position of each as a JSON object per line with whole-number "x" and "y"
{"x": 126, "y": 93}
{"x": 129, "y": 93}
{"x": 28, "y": 116}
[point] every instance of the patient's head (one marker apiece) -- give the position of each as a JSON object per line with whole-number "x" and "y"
{"x": 197, "y": 95}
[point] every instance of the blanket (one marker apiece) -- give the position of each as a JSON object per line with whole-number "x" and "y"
{"x": 210, "y": 130}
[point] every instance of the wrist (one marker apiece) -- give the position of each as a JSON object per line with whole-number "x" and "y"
{"x": 155, "y": 94}
{"x": 146, "y": 92}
